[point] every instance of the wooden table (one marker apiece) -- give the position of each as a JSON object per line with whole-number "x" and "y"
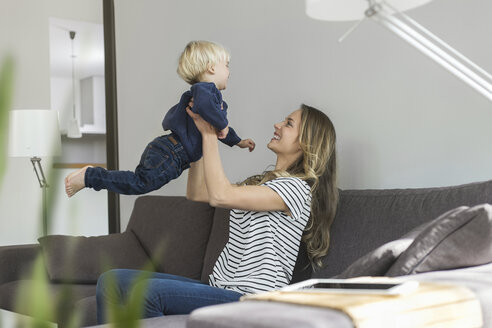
{"x": 431, "y": 305}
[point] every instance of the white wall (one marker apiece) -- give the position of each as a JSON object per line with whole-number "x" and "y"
{"x": 18, "y": 201}
{"x": 402, "y": 121}
{"x": 24, "y": 33}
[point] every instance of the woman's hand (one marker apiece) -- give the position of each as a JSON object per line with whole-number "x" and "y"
{"x": 222, "y": 134}
{"x": 203, "y": 126}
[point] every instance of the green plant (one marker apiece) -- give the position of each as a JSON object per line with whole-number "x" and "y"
{"x": 6, "y": 87}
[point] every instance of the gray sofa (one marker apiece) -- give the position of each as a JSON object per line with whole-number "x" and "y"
{"x": 174, "y": 235}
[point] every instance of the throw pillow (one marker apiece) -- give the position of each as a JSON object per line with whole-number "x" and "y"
{"x": 380, "y": 260}
{"x": 77, "y": 259}
{"x": 459, "y": 238}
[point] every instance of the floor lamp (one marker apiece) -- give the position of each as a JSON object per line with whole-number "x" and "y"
{"x": 390, "y": 15}
{"x": 35, "y": 133}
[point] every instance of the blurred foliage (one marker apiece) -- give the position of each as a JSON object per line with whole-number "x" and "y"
{"x": 6, "y": 88}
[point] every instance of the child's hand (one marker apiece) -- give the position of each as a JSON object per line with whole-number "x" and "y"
{"x": 223, "y": 133}
{"x": 247, "y": 143}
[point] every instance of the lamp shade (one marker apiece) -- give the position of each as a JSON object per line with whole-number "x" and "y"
{"x": 34, "y": 133}
{"x": 347, "y": 10}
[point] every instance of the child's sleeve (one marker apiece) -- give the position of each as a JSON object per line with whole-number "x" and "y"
{"x": 232, "y": 138}
{"x": 208, "y": 103}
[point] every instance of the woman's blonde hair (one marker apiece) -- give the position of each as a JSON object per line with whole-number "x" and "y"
{"x": 318, "y": 167}
{"x": 197, "y": 57}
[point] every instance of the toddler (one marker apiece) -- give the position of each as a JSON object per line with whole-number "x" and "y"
{"x": 204, "y": 65}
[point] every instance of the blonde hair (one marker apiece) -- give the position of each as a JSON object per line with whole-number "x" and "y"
{"x": 198, "y": 57}
{"x": 318, "y": 167}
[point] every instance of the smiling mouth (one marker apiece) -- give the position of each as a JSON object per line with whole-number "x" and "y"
{"x": 276, "y": 137}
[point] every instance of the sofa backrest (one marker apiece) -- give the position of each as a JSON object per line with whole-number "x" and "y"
{"x": 367, "y": 219}
{"x": 174, "y": 232}
{"x": 218, "y": 238}
{"x": 185, "y": 238}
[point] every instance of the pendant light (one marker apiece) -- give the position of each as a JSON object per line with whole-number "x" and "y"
{"x": 73, "y": 130}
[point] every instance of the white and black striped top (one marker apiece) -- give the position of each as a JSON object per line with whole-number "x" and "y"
{"x": 262, "y": 248}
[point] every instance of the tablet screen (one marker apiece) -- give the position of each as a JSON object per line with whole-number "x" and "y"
{"x": 352, "y": 285}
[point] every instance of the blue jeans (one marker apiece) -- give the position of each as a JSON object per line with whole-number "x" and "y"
{"x": 163, "y": 160}
{"x": 164, "y": 293}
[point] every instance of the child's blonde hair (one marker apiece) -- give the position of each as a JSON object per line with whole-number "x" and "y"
{"x": 197, "y": 57}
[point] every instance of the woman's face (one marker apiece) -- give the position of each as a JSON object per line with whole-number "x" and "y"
{"x": 285, "y": 139}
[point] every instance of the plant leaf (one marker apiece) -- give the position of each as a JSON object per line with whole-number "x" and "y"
{"x": 6, "y": 88}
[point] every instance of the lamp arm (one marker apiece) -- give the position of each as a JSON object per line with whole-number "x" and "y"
{"x": 432, "y": 36}
{"x": 462, "y": 70}
{"x": 351, "y": 29}
{"x": 38, "y": 169}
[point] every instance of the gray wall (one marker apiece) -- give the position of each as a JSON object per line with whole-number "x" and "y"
{"x": 402, "y": 121}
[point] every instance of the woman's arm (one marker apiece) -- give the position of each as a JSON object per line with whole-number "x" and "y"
{"x": 196, "y": 189}
{"x": 221, "y": 192}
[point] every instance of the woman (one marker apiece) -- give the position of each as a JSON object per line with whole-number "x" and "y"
{"x": 270, "y": 214}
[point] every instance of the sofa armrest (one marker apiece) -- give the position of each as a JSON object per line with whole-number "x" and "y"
{"x": 16, "y": 261}
{"x": 259, "y": 314}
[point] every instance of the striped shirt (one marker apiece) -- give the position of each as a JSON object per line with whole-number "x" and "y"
{"x": 262, "y": 248}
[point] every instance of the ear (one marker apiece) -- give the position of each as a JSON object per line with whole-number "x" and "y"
{"x": 211, "y": 69}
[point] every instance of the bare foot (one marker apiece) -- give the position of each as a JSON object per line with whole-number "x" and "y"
{"x": 75, "y": 181}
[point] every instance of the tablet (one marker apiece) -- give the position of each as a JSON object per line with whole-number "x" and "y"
{"x": 354, "y": 287}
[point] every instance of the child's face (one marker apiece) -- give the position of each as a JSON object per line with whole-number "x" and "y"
{"x": 221, "y": 74}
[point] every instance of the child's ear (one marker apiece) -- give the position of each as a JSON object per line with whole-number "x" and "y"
{"x": 211, "y": 69}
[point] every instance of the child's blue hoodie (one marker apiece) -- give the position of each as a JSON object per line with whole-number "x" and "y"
{"x": 207, "y": 100}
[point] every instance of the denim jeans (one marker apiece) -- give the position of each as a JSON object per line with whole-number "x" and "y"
{"x": 165, "y": 294}
{"x": 163, "y": 160}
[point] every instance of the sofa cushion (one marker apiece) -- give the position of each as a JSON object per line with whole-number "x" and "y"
{"x": 378, "y": 261}
{"x": 459, "y": 238}
{"x": 82, "y": 260}
{"x": 174, "y": 232}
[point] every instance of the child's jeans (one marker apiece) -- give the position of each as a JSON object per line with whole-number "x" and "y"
{"x": 163, "y": 160}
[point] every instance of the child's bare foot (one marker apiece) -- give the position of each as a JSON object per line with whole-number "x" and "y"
{"x": 75, "y": 181}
